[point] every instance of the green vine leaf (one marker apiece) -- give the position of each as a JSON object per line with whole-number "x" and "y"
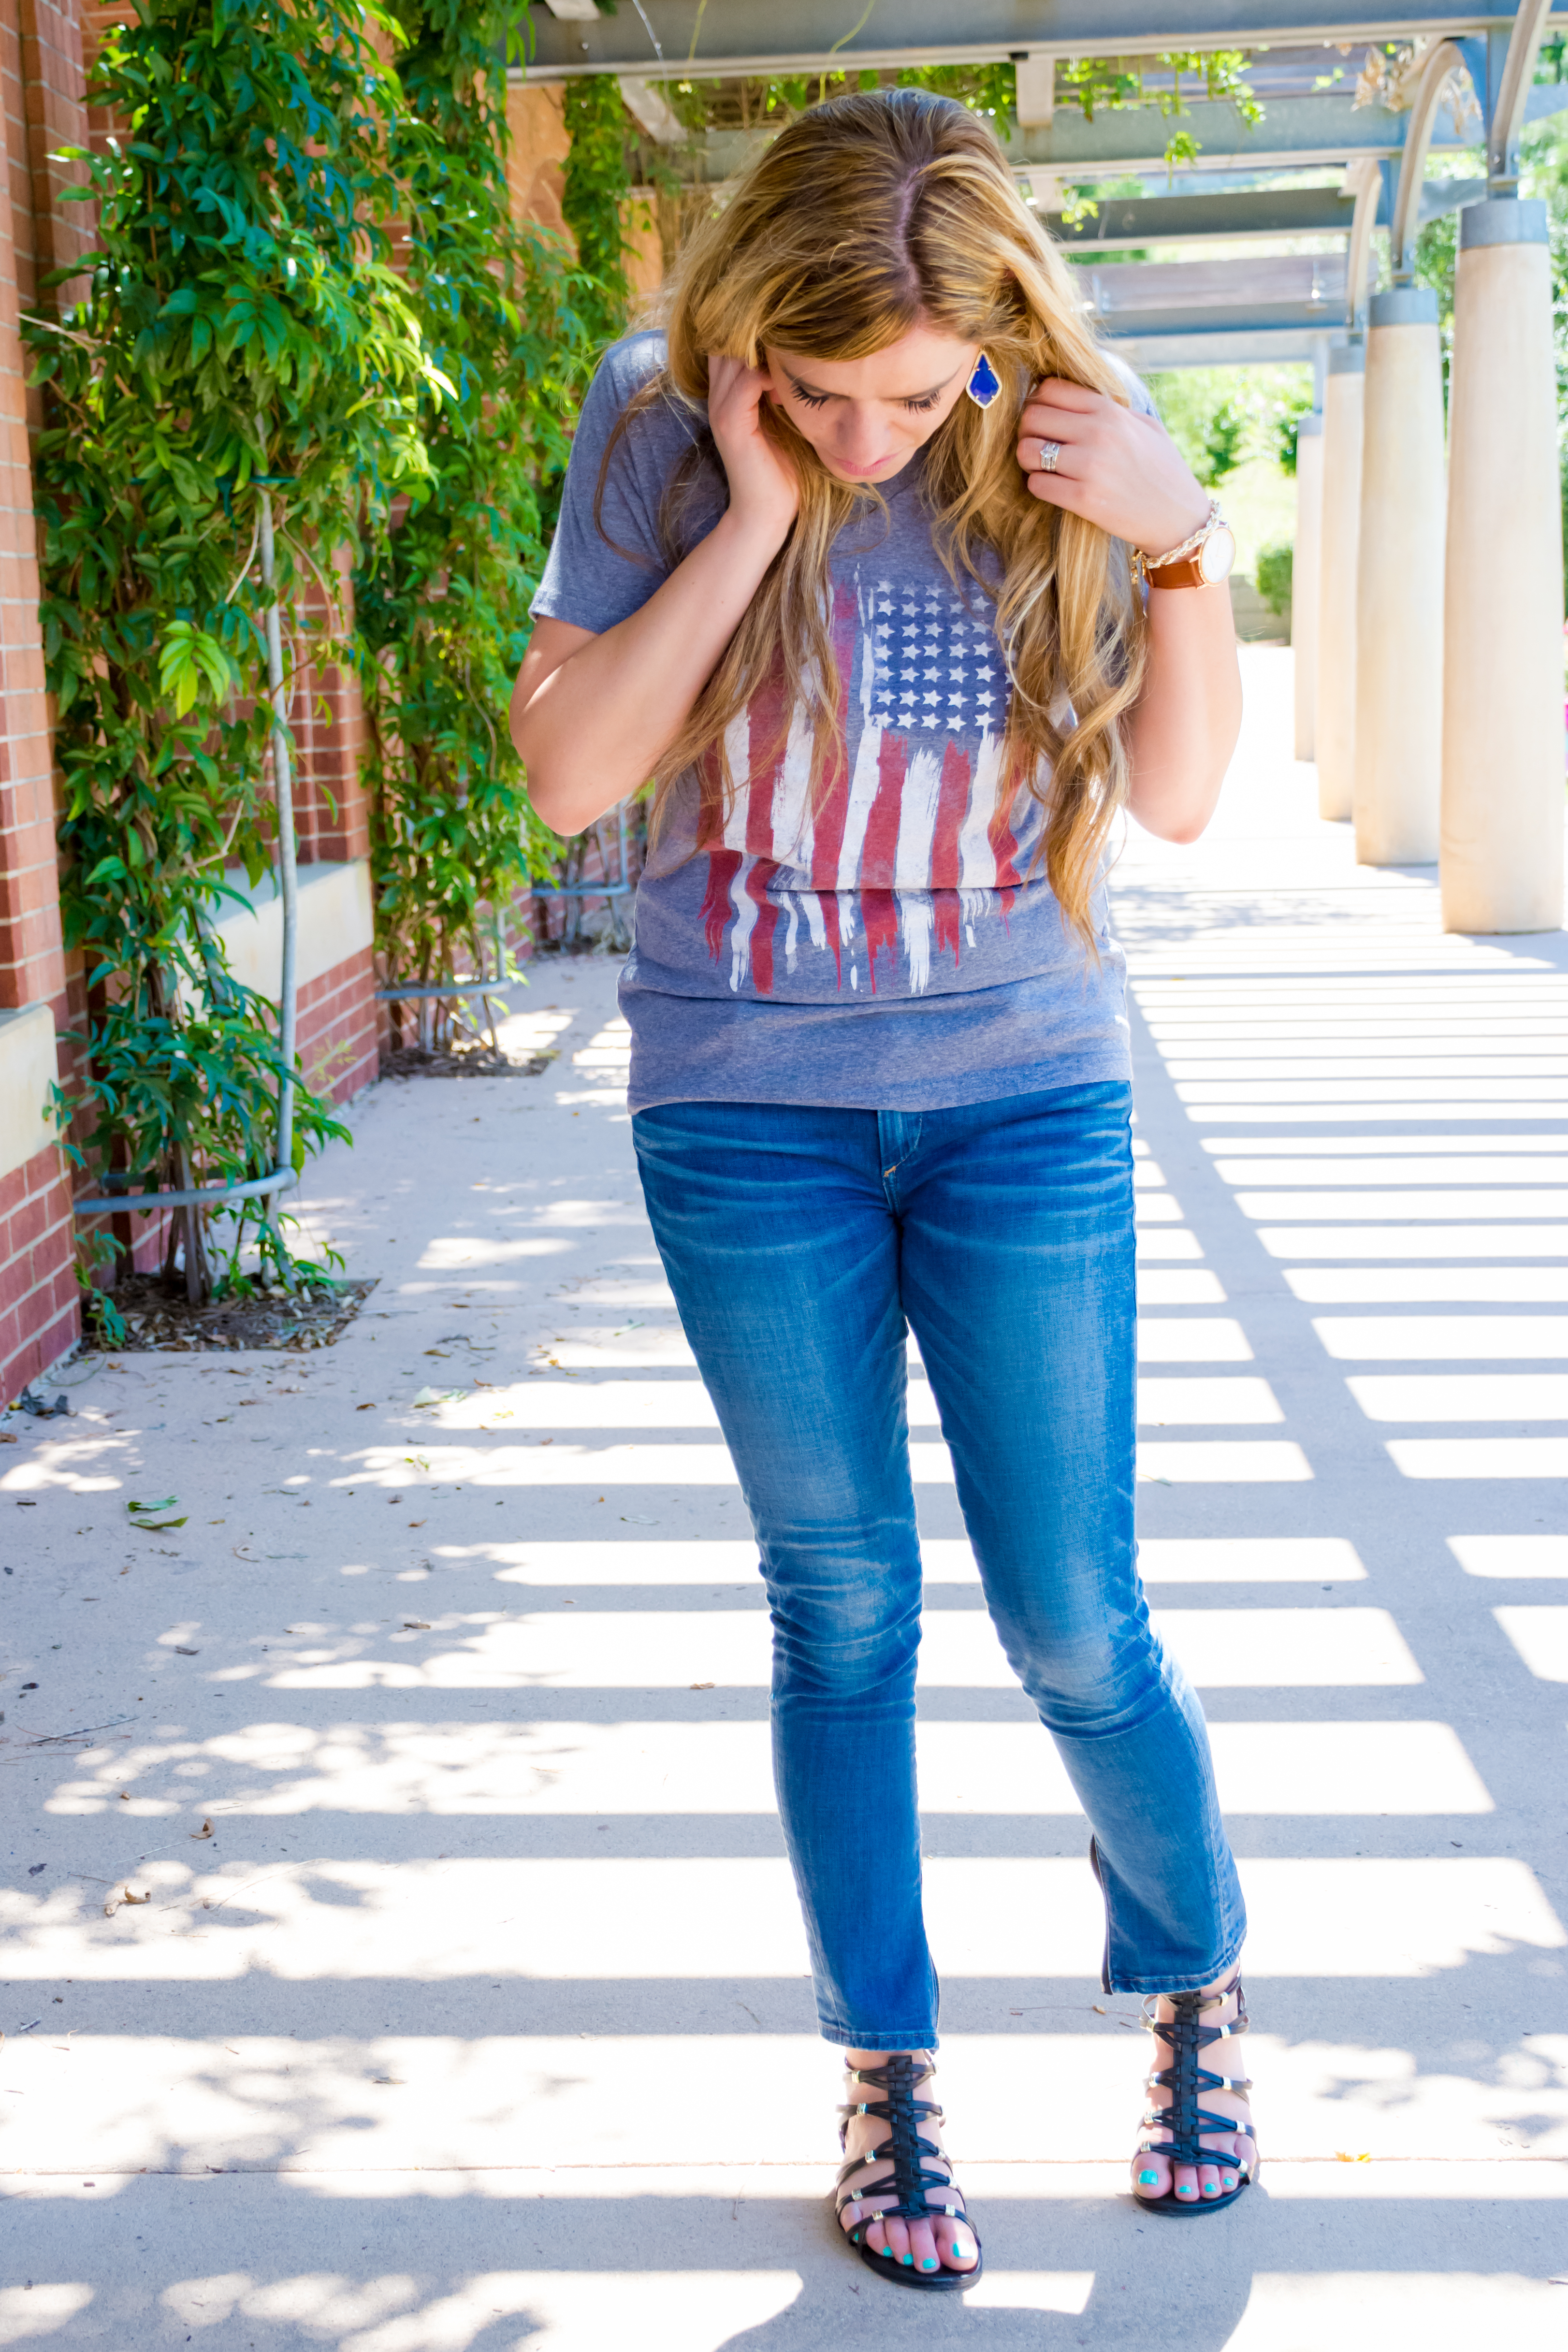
{"x": 190, "y": 660}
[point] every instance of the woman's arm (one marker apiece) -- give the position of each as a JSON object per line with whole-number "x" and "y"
{"x": 591, "y": 714}
{"x": 1122, "y": 471}
{"x": 1183, "y": 728}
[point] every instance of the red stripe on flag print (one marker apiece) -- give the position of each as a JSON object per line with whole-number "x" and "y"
{"x": 723, "y": 865}
{"x": 1003, "y": 846}
{"x": 946, "y": 908}
{"x": 879, "y": 855}
{"x": 767, "y": 735}
{"x": 758, "y": 877}
{"x": 952, "y": 803}
{"x": 880, "y": 913}
{"x": 828, "y": 839}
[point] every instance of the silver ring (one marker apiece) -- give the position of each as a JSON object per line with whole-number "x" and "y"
{"x": 1050, "y": 451}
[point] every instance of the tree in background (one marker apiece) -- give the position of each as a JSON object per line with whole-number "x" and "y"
{"x": 1286, "y": 419}
{"x": 1206, "y": 416}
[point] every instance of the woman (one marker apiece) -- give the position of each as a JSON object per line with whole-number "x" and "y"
{"x": 844, "y": 565}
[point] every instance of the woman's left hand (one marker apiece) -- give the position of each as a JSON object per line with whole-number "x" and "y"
{"x": 1117, "y": 468}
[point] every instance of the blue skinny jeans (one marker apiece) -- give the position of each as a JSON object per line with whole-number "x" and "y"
{"x": 801, "y": 1244}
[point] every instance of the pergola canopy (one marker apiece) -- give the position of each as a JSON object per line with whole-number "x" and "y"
{"x": 1174, "y": 313}
{"x": 723, "y": 37}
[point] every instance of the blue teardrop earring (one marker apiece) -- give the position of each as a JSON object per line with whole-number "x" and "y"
{"x": 985, "y": 384}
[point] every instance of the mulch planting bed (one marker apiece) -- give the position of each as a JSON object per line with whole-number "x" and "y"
{"x": 156, "y": 1317}
{"x": 465, "y": 1062}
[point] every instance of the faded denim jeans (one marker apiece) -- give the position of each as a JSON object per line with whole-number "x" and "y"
{"x": 802, "y": 1244}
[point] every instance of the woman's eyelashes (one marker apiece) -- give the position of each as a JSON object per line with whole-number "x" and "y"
{"x": 820, "y": 400}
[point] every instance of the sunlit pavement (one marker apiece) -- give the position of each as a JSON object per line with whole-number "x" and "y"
{"x": 480, "y": 2018}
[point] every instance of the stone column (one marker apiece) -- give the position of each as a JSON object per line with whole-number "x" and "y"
{"x": 1502, "y": 710}
{"x": 1305, "y": 572}
{"x": 1335, "y": 731}
{"x": 1398, "y": 750}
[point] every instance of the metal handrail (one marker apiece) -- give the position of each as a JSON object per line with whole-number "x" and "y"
{"x": 453, "y": 988}
{"x": 288, "y": 881}
{"x": 197, "y": 1196}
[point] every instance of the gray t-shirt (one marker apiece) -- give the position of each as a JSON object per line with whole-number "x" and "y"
{"x": 887, "y": 947}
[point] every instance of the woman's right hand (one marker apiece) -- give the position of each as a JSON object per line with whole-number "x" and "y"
{"x": 765, "y": 489}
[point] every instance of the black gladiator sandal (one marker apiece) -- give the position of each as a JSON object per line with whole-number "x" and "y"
{"x": 1186, "y": 2080}
{"x": 900, "y": 2078}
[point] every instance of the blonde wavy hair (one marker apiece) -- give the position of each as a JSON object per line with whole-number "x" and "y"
{"x": 869, "y": 215}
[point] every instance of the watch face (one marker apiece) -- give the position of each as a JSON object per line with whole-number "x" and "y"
{"x": 1216, "y": 555}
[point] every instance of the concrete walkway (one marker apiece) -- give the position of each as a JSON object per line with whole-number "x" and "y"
{"x": 480, "y": 2021}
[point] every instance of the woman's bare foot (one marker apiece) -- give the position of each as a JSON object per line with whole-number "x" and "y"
{"x": 940, "y": 2243}
{"x": 1155, "y": 2176}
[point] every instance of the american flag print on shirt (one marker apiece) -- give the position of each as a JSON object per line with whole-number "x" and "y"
{"x": 910, "y": 847}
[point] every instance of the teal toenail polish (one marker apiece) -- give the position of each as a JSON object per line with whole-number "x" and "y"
{"x": 887, "y": 2250}
{"x": 928, "y": 2264}
{"x": 1149, "y": 2179}
{"x": 909, "y": 2260}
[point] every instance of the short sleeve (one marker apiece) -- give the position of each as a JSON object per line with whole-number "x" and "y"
{"x": 600, "y": 571}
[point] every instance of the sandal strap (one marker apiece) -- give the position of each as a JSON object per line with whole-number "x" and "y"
{"x": 1205, "y": 2082}
{"x": 880, "y": 2107}
{"x": 1148, "y": 2146}
{"x": 1186, "y": 2079}
{"x": 904, "y": 2148}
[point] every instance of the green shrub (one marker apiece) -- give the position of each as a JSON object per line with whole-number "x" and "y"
{"x": 1274, "y": 570}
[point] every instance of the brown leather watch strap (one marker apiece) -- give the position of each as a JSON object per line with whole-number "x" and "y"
{"x": 1187, "y": 573}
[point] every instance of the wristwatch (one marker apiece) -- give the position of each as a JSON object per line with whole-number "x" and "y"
{"x": 1200, "y": 562}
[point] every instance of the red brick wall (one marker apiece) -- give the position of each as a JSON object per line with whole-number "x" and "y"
{"x": 54, "y": 111}
{"x": 38, "y": 1287}
{"x": 338, "y": 1028}
{"x": 32, "y": 964}
{"x": 331, "y": 807}
{"x": 40, "y": 109}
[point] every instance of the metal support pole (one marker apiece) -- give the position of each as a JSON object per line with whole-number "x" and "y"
{"x": 1364, "y": 181}
{"x": 1438, "y": 70}
{"x": 1398, "y": 747}
{"x": 288, "y": 880}
{"x": 1506, "y": 114}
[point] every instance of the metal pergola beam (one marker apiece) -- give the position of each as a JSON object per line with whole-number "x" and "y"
{"x": 1243, "y": 213}
{"x": 1237, "y": 345}
{"x": 1294, "y": 134}
{"x": 720, "y": 39}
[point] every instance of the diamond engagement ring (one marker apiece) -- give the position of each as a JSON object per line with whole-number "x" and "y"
{"x": 1049, "y": 453}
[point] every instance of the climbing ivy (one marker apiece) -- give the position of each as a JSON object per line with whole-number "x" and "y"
{"x": 442, "y": 599}
{"x": 237, "y": 330}
{"x": 593, "y": 199}
{"x": 1106, "y": 85}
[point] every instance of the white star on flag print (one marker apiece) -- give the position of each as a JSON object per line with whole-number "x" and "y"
{"x": 908, "y": 842}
